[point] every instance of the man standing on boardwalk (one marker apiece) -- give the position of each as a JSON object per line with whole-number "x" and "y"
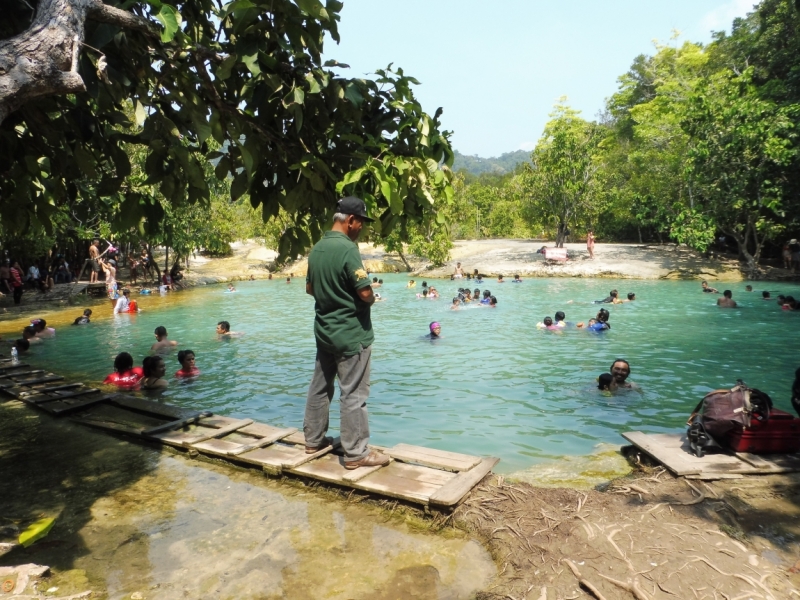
{"x": 343, "y": 330}
{"x": 94, "y": 254}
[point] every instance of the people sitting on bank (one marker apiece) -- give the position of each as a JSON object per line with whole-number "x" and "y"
{"x": 517, "y": 279}
{"x": 84, "y": 319}
{"x": 620, "y": 371}
{"x": 42, "y": 330}
{"x": 29, "y": 334}
{"x": 458, "y": 272}
{"x": 607, "y": 383}
{"x": 154, "y": 368}
{"x": 727, "y": 300}
{"x": 162, "y": 343}
{"x": 707, "y": 289}
{"x": 435, "y": 331}
{"x": 188, "y": 368}
{"x": 125, "y": 375}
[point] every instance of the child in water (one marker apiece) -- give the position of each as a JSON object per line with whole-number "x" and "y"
{"x": 154, "y": 370}
{"x": 188, "y": 368}
{"x": 547, "y": 323}
{"x": 84, "y": 319}
{"x": 125, "y": 375}
{"x": 42, "y": 330}
{"x": 606, "y": 383}
{"x": 456, "y": 302}
{"x": 436, "y": 331}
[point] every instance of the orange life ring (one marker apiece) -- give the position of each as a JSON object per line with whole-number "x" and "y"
{"x": 8, "y": 585}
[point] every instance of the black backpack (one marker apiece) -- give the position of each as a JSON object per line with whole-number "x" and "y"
{"x": 723, "y": 411}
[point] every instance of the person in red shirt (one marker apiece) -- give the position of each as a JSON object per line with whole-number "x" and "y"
{"x": 188, "y": 368}
{"x": 125, "y": 375}
{"x": 16, "y": 282}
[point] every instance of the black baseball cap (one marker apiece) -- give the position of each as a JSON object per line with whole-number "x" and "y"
{"x": 353, "y": 206}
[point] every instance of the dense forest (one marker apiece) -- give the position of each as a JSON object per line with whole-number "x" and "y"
{"x": 697, "y": 142}
{"x": 193, "y": 129}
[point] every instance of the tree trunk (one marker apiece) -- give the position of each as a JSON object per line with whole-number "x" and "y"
{"x": 405, "y": 262}
{"x": 43, "y": 60}
{"x": 153, "y": 260}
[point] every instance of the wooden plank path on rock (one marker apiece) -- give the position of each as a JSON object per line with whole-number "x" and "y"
{"x": 672, "y": 450}
{"x": 415, "y": 474}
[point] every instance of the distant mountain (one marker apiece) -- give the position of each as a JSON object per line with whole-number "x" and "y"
{"x": 505, "y": 163}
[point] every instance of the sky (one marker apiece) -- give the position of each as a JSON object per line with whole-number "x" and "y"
{"x": 497, "y": 68}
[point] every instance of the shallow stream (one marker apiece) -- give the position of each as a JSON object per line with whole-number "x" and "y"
{"x": 492, "y": 385}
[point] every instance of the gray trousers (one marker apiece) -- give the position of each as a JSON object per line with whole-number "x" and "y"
{"x": 353, "y": 373}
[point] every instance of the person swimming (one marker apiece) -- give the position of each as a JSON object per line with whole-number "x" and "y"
{"x": 487, "y": 295}
{"x": 231, "y": 289}
{"x": 188, "y": 368}
{"x": 516, "y": 279}
{"x": 154, "y": 368}
{"x": 433, "y": 294}
{"x": 42, "y": 330}
{"x": 29, "y": 334}
{"x": 424, "y": 293}
{"x": 612, "y": 295}
{"x": 560, "y": 319}
{"x": 163, "y": 344}
{"x": 411, "y": 284}
{"x": 435, "y": 331}
{"x": 455, "y": 304}
{"x": 547, "y": 323}
{"x": 492, "y": 302}
{"x": 84, "y": 319}
{"x": 125, "y": 375}
{"x": 765, "y": 295}
{"x": 607, "y": 383}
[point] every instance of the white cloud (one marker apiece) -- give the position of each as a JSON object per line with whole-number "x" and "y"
{"x": 527, "y": 146}
{"x": 721, "y": 18}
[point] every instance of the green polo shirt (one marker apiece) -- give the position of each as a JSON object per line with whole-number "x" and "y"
{"x": 342, "y": 325}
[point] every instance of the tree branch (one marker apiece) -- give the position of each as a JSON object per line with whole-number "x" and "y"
{"x": 103, "y": 13}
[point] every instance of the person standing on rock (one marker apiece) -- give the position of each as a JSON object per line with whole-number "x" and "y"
{"x": 343, "y": 296}
{"x": 590, "y": 243}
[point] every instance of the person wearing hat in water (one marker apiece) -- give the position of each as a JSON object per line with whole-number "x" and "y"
{"x": 343, "y": 296}
{"x": 436, "y": 331}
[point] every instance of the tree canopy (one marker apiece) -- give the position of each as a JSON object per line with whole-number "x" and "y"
{"x": 241, "y": 85}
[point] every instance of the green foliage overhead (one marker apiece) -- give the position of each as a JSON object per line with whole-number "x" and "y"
{"x": 240, "y": 84}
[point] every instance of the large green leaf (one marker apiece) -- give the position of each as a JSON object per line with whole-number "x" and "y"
{"x": 170, "y": 18}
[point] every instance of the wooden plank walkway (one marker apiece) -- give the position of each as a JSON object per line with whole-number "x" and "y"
{"x": 415, "y": 474}
{"x": 672, "y": 451}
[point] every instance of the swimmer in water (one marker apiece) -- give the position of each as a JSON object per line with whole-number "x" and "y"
{"x": 559, "y": 319}
{"x": 708, "y": 290}
{"x": 456, "y": 302}
{"x": 162, "y": 343}
{"x": 231, "y": 288}
{"x": 765, "y": 295}
{"x": 500, "y": 279}
{"x": 84, "y": 319}
{"x": 476, "y": 295}
{"x": 547, "y": 323}
{"x": 492, "y": 302}
{"x": 487, "y": 296}
{"x": 224, "y": 330}
{"x": 29, "y": 334}
{"x": 125, "y": 375}
{"x": 411, "y": 284}
{"x": 436, "y": 331}
{"x": 188, "y": 368}
{"x": 424, "y": 294}
{"x": 378, "y": 297}
{"x": 42, "y": 330}
{"x": 607, "y": 383}
{"x": 517, "y": 279}
{"x": 154, "y": 370}
{"x": 433, "y": 294}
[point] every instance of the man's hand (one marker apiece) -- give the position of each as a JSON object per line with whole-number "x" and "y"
{"x": 309, "y": 291}
{"x": 366, "y": 295}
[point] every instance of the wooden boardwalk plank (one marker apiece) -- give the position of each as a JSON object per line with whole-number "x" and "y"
{"x": 151, "y": 408}
{"x": 205, "y": 429}
{"x": 40, "y": 399}
{"x": 52, "y": 388}
{"x": 268, "y": 435}
{"x": 408, "y": 482}
{"x": 37, "y": 380}
{"x": 74, "y": 405}
{"x": 178, "y": 423}
{"x": 672, "y": 450}
{"x": 431, "y": 457}
{"x": 220, "y": 431}
{"x": 216, "y": 446}
{"x": 454, "y": 490}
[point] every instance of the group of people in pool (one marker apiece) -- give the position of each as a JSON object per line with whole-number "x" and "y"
{"x": 727, "y": 301}
{"x": 151, "y": 375}
{"x": 599, "y": 323}
{"x": 33, "y": 334}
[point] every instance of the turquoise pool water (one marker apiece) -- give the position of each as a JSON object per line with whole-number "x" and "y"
{"x": 493, "y": 384}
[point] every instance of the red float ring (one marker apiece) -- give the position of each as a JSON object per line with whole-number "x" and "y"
{"x": 8, "y": 585}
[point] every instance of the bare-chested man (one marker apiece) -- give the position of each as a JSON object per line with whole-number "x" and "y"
{"x": 94, "y": 254}
{"x": 162, "y": 344}
{"x": 727, "y": 300}
{"x": 620, "y": 370}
